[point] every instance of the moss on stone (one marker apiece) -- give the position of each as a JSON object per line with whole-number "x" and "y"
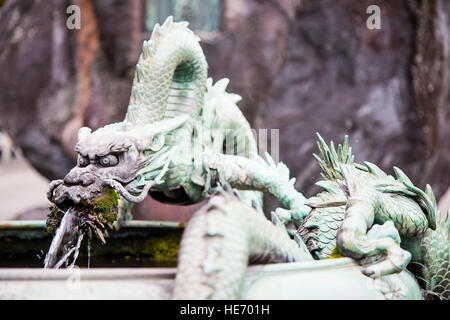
{"x": 163, "y": 249}
{"x": 105, "y": 207}
{"x": 105, "y": 203}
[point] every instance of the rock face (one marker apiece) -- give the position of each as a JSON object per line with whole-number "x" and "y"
{"x": 55, "y": 80}
{"x": 300, "y": 66}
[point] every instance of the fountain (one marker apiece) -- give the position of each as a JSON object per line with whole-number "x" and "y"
{"x": 172, "y": 145}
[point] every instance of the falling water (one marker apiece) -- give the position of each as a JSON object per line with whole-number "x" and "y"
{"x": 67, "y": 241}
{"x": 89, "y": 253}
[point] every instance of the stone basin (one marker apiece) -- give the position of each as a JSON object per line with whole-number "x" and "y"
{"x": 135, "y": 244}
{"x": 138, "y": 262}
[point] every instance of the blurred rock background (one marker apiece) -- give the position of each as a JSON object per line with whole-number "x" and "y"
{"x": 301, "y": 66}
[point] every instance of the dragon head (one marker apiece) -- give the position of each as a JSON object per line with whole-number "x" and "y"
{"x": 128, "y": 161}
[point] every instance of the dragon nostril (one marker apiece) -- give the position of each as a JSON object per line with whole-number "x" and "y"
{"x": 76, "y": 179}
{"x": 87, "y": 180}
{"x": 71, "y": 179}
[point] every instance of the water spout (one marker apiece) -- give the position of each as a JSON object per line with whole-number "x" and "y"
{"x": 67, "y": 241}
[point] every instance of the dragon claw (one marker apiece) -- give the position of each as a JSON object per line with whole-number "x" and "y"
{"x": 379, "y": 269}
{"x": 396, "y": 262}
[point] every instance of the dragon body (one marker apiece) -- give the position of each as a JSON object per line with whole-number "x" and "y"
{"x": 184, "y": 140}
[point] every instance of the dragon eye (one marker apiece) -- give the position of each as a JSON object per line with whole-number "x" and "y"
{"x": 83, "y": 161}
{"x": 109, "y": 160}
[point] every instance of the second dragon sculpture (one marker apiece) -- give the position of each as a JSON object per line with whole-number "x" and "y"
{"x": 364, "y": 212}
{"x": 184, "y": 139}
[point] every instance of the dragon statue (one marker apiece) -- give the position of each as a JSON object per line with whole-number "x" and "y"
{"x": 184, "y": 140}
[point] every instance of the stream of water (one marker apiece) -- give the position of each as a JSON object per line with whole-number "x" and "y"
{"x": 65, "y": 243}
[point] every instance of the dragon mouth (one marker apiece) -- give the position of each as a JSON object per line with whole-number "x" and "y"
{"x": 96, "y": 207}
{"x": 94, "y": 203}
{"x": 68, "y": 195}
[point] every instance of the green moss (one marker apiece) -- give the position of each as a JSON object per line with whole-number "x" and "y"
{"x": 105, "y": 203}
{"x": 163, "y": 249}
{"x": 105, "y": 207}
{"x": 336, "y": 253}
